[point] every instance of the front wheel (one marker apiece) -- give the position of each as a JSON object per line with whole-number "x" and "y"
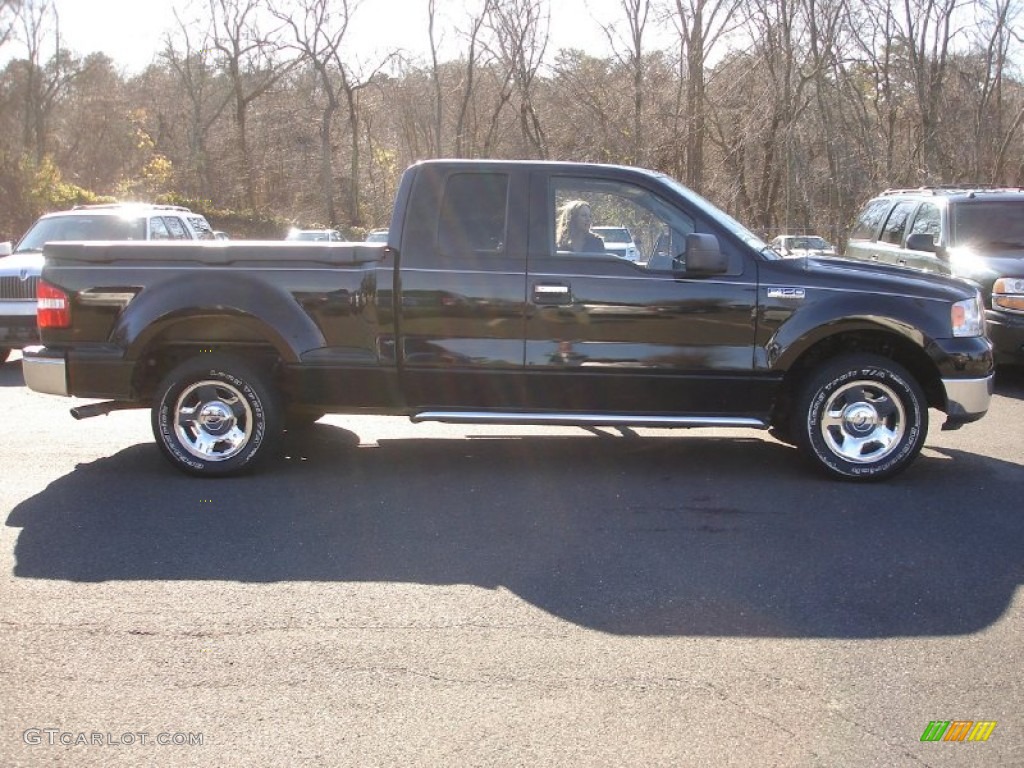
{"x": 215, "y": 415}
{"x": 861, "y": 417}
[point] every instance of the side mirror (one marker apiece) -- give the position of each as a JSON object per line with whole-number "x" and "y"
{"x": 921, "y": 242}
{"x": 5, "y": 249}
{"x": 704, "y": 255}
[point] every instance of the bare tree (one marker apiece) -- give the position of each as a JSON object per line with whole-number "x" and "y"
{"x": 521, "y": 29}
{"x": 318, "y": 35}
{"x": 636, "y": 13}
{"x": 9, "y": 13}
{"x": 993, "y": 38}
{"x": 45, "y": 82}
{"x": 701, "y": 24}
{"x": 927, "y": 31}
{"x": 250, "y": 57}
{"x": 476, "y": 24}
{"x": 193, "y": 66}
{"x": 435, "y": 73}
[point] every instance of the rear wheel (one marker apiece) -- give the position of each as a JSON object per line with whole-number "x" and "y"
{"x": 215, "y": 415}
{"x": 861, "y": 417}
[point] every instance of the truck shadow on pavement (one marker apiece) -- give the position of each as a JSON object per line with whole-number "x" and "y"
{"x": 643, "y": 536}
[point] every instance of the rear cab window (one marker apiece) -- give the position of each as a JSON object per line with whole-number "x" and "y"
{"x": 473, "y": 215}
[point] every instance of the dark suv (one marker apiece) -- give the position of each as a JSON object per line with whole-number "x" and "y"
{"x": 975, "y": 233}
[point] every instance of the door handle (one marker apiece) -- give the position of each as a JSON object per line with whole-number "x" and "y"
{"x": 551, "y": 293}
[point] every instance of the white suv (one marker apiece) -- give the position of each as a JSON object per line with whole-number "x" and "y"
{"x": 20, "y": 266}
{"x": 618, "y": 240}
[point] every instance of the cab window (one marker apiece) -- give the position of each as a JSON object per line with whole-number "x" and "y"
{"x": 870, "y": 219}
{"x": 585, "y": 211}
{"x": 158, "y": 230}
{"x": 927, "y": 221}
{"x": 176, "y": 228}
{"x": 896, "y": 224}
{"x": 473, "y": 215}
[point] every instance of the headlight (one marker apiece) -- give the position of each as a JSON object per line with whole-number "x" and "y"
{"x": 1008, "y": 293}
{"x": 967, "y": 318}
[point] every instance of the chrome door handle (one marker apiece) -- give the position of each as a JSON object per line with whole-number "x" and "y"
{"x": 551, "y": 293}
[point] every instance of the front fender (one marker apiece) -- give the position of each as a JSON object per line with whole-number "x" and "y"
{"x": 254, "y": 302}
{"x": 918, "y": 321}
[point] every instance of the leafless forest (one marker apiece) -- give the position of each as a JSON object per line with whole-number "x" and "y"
{"x": 787, "y": 113}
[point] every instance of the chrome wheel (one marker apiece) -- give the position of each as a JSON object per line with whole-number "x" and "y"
{"x": 860, "y": 417}
{"x": 863, "y": 422}
{"x": 212, "y": 420}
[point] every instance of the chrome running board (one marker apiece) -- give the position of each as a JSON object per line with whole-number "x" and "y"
{"x": 586, "y": 419}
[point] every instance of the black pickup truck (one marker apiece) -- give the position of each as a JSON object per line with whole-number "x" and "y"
{"x": 492, "y": 303}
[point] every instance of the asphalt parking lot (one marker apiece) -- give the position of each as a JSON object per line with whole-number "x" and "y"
{"x": 399, "y": 594}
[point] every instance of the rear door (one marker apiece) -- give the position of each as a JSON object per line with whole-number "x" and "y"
{"x": 461, "y": 300}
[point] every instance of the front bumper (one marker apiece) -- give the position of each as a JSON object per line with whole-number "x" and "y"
{"x": 18, "y": 324}
{"x": 967, "y": 371}
{"x": 967, "y": 400}
{"x": 45, "y": 371}
{"x": 1007, "y": 333}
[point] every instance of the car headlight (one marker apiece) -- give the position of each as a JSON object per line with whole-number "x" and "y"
{"x": 967, "y": 318}
{"x": 1008, "y": 293}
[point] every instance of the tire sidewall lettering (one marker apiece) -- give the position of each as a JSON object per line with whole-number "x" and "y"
{"x": 165, "y": 423}
{"x": 909, "y": 442}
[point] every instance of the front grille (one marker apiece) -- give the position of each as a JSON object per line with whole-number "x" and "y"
{"x": 15, "y": 288}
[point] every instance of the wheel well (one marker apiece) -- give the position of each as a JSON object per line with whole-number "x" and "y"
{"x": 160, "y": 358}
{"x": 193, "y": 336}
{"x": 896, "y": 348}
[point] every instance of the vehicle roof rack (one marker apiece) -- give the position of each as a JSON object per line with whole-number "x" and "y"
{"x": 953, "y": 189}
{"x": 114, "y": 206}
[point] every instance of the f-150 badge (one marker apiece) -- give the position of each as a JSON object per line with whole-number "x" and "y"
{"x": 786, "y": 293}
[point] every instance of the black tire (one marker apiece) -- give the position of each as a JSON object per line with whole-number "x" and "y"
{"x": 215, "y": 415}
{"x": 861, "y": 417}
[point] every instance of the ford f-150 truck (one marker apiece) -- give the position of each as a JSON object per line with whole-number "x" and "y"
{"x": 478, "y": 310}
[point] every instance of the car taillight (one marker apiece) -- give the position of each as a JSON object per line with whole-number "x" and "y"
{"x": 53, "y": 307}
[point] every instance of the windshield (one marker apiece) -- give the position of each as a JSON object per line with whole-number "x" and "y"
{"x": 989, "y": 222}
{"x": 721, "y": 217}
{"x": 81, "y": 227}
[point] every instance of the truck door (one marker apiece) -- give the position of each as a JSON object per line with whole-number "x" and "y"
{"x": 462, "y": 288}
{"x": 606, "y": 334}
